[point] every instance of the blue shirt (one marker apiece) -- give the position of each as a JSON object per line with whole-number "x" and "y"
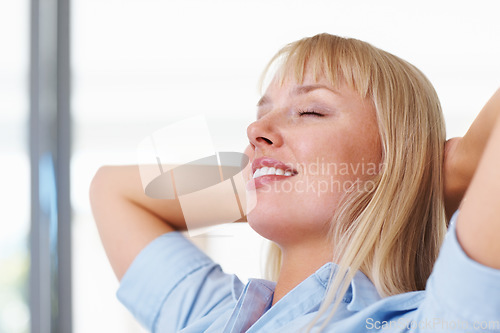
{"x": 172, "y": 286}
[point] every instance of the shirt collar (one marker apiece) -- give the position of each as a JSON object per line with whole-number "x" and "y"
{"x": 361, "y": 292}
{"x": 303, "y": 299}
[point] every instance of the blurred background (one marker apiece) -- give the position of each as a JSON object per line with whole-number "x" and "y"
{"x": 82, "y": 82}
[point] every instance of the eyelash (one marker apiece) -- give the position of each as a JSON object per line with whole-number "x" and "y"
{"x": 310, "y": 112}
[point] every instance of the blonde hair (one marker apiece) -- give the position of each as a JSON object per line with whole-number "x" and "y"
{"x": 393, "y": 232}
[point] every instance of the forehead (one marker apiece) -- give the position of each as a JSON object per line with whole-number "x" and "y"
{"x": 293, "y": 89}
{"x": 333, "y": 66}
{"x": 290, "y": 86}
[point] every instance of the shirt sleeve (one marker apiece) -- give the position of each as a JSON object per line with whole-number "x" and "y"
{"x": 464, "y": 292}
{"x": 173, "y": 273}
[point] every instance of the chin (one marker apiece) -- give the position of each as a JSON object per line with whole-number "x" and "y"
{"x": 280, "y": 228}
{"x": 265, "y": 225}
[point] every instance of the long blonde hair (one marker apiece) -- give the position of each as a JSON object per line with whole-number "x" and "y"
{"x": 393, "y": 232}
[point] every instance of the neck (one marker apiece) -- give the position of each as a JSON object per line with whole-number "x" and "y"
{"x": 298, "y": 263}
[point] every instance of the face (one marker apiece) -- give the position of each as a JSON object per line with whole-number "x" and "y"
{"x": 325, "y": 140}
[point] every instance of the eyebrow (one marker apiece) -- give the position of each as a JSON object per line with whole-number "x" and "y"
{"x": 300, "y": 90}
{"x": 263, "y": 101}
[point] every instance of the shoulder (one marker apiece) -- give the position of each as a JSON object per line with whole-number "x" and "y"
{"x": 171, "y": 277}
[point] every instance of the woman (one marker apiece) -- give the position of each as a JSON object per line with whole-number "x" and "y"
{"x": 356, "y": 242}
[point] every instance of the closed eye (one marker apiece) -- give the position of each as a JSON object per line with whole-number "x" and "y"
{"x": 310, "y": 112}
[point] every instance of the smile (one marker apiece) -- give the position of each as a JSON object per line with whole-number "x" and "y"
{"x": 267, "y": 170}
{"x": 264, "y": 171}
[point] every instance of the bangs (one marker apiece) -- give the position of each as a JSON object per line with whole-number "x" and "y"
{"x": 339, "y": 60}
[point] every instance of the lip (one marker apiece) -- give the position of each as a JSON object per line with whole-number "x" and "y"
{"x": 255, "y": 183}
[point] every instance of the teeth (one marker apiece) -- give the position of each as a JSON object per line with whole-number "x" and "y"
{"x": 271, "y": 171}
{"x": 257, "y": 173}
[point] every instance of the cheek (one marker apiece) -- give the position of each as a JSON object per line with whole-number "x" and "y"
{"x": 354, "y": 147}
{"x": 339, "y": 159}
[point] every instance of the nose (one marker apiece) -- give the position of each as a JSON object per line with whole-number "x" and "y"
{"x": 265, "y": 133}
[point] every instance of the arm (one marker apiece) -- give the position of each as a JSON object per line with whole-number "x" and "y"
{"x": 463, "y": 286}
{"x": 126, "y": 218}
{"x": 462, "y": 155}
{"x": 171, "y": 284}
{"x": 478, "y": 225}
